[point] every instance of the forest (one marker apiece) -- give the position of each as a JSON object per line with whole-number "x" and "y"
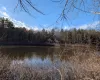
{"x": 9, "y": 34}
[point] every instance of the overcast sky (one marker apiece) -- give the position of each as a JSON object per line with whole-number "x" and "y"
{"x": 51, "y": 10}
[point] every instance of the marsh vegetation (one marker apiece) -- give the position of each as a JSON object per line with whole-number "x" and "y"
{"x": 50, "y": 54}
{"x": 73, "y": 62}
{"x": 77, "y": 57}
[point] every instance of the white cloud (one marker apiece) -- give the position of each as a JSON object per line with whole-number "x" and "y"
{"x": 19, "y": 24}
{"x": 91, "y": 25}
{"x": 35, "y": 28}
{"x": 4, "y": 8}
{"x": 16, "y": 22}
{"x": 66, "y": 27}
{"x": 4, "y": 14}
{"x": 83, "y": 26}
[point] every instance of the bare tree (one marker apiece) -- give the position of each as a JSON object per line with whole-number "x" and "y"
{"x": 24, "y": 6}
{"x": 87, "y": 6}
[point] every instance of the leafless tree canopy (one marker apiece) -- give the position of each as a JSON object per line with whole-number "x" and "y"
{"x": 24, "y": 6}
{"x": 86, "y": 6}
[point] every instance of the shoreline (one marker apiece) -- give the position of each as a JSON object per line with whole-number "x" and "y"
{"x": 28, "y": 44}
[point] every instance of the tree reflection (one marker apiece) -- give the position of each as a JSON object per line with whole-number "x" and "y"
{"x": 51, "y": 53}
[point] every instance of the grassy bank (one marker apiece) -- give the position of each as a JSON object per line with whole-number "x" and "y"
{"x": 83, "y": 65}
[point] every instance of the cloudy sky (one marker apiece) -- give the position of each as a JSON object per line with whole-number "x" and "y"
{"x": 52, "y": 12}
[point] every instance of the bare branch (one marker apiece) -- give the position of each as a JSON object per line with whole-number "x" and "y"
{"x": 91, "y": 7}
{"x": 22, "y": 4}
{"x": 96, "y": 13}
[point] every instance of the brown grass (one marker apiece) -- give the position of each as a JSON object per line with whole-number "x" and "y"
{"x": 84, "y": 65}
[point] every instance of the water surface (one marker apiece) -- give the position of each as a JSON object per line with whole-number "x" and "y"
{"x": 41, "y": 56}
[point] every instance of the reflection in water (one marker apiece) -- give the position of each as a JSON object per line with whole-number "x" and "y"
{"x": 41, "y": 55}
{"x": 27, "y": 52}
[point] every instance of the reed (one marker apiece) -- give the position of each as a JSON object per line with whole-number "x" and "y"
{"x": 84, "y": 65}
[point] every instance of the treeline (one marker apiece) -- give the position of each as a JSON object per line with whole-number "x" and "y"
{"x": 81, "y": 36}
{"x": 11, "y": 34}
{"x": 18, "y": 35}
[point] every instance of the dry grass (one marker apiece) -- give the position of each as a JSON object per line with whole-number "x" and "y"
{"x": 84, "y": 65}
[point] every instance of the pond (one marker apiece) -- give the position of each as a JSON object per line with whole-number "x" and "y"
{"x": 43, "y": 55}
